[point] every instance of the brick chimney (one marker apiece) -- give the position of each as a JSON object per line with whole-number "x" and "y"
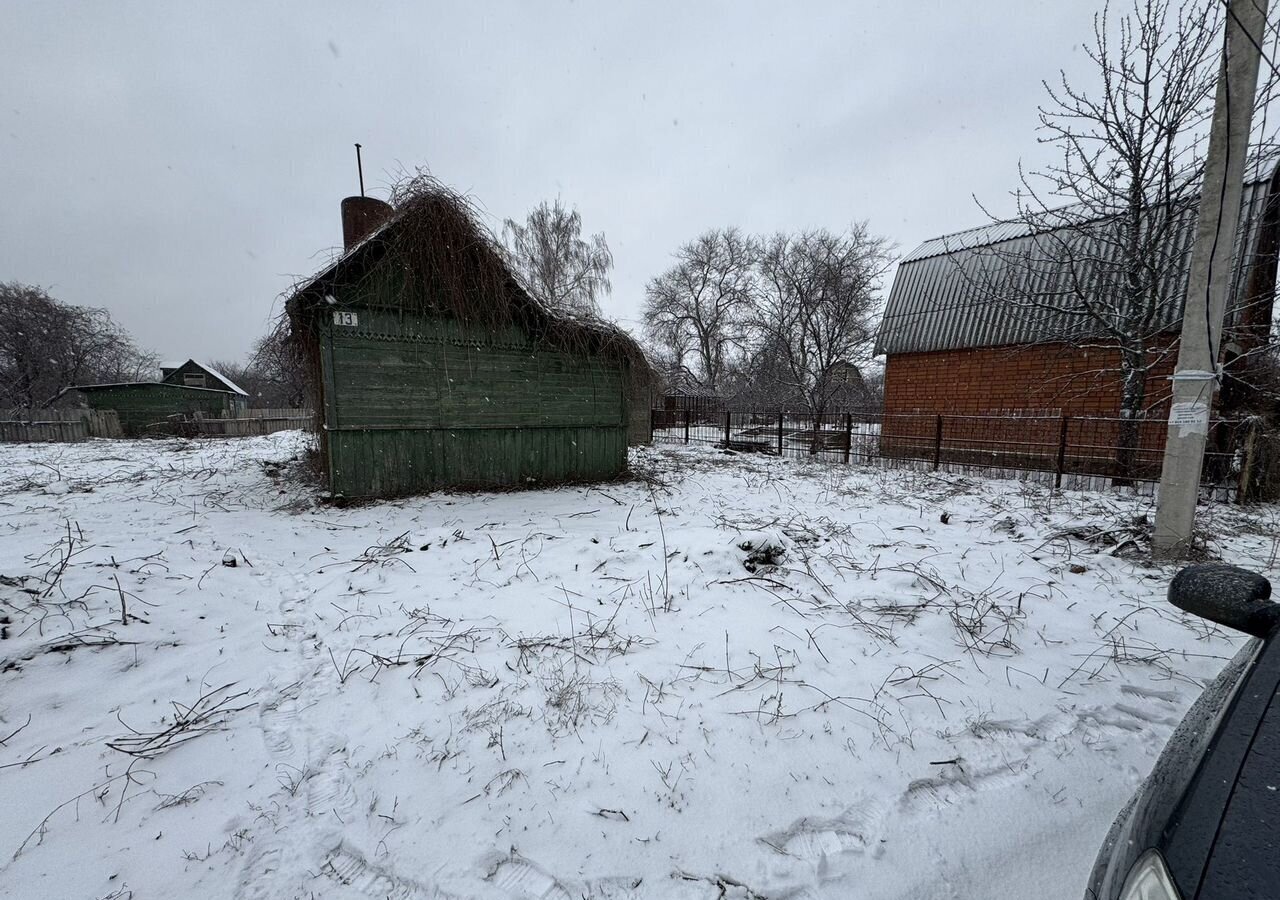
{"x": 361, "y": 217}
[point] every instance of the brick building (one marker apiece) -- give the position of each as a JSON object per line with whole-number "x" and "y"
{"x": 954, "y": 346}
{"x": 1053, "y": 378}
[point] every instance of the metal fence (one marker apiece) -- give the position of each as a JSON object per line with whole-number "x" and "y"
{"x": 1066, "y": 451}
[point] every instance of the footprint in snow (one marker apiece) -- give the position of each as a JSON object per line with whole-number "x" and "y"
{"x": 614, "y": 889}
{"x": 1048, "y": 727}
{"x": 524, "y": 880}
{"x": 1127, "y": 717}
{"x": 1147, "y": 715}
{"x": 348, "y": 866}
{"x": 279, "y": 721}
{"x": 956, "y": 780}
{"x": 1137, "y": 690}
{"x": 329, "y": 789}
{"x": 258, "y": 879}
{"x": 822, "y": 840}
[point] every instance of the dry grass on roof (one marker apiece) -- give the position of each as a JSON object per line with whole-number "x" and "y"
{"x": 449, "y": 259}
{"x": 444, "y": 259}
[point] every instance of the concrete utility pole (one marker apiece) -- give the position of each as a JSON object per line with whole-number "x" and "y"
{"x": 1208, "y": 282}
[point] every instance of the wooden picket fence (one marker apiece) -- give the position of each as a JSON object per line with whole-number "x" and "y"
{"x": 288, "y": 412}
{"x": 71, "y": 425}
{"x": 247, "y": 422}
{"x": 60, "y": 425}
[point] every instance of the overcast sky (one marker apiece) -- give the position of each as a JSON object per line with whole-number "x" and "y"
{"x": 181, "y": 163}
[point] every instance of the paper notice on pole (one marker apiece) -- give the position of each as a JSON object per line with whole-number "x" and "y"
{"x": 1190, "y": 418}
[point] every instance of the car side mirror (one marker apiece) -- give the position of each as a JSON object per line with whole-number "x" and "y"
{"x": 1228, "y": 595}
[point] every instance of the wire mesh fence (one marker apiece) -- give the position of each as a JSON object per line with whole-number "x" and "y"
{"x": 1066, "y": 451}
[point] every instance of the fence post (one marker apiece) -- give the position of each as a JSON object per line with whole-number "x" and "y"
{"x": 1244, "y": 483}
{"x": 653, "y": 422}
{"x": 848, "y": 436}
{"x": 688, "y": 415}
{"x": 1061, "y": 463}
{"x": 937, "y": 443}
{"x": 728, "y": 417}
{"x": 781, "y": 415}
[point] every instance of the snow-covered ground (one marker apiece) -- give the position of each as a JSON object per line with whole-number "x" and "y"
{"x": 736, "y": 676}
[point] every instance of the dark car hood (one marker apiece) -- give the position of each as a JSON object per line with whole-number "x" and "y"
{"x": 1180, "y": 808}
{"x": 1245, "y": 859}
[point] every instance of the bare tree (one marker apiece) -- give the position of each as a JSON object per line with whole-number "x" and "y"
{"x": 759, "y": 379}
{"x": 671, "y": 351}
{"x": 556, "y": 266}
{"x": 119, "y": 358}
{"x": 47, "y": 345}
{"x": 698, "y": 307}
{"x": 815, "y": 308}
{"x": 274, "y": 375}
{"x": 1110, "y": 221}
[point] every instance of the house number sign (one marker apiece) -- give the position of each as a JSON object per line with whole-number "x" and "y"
{"x": 348, "y": 319}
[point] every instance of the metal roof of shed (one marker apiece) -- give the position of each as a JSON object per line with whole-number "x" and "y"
{"x": 144, "y": 384}
{"x": 173, "y": 365}
{"x": 934, "y": 303}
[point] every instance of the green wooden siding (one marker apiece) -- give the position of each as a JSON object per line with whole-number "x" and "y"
{"x": 389, "y": 463}
{"x": 143, "y": 404}
{"x": 416, "y": 402}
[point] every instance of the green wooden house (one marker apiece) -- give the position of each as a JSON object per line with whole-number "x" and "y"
{"x": 143, "y": 406}
{"x": 431, "y": 367}
{"x": 185, "y": 389}
{"x": 193, "y": 373}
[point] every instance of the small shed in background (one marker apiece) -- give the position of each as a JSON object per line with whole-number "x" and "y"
{"x": 194, "y": 373}
{"x": 431, "y": 367}
{"x": 185, "y": 389}
{"x": 684, "y": 394}
{"x": 143, "y": 404}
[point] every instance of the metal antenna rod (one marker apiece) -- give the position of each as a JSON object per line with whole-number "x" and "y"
{"x": 360, "y": 169}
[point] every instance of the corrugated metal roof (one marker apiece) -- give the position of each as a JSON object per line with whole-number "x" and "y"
{"x": 952, "y": 292}
{"x": 147, "y": 384}
{"x": 985, "y": 235}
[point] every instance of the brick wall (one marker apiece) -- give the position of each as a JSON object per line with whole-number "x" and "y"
{"x": 1051, "y": 379}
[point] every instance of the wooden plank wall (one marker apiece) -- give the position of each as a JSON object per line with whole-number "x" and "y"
{"x": 391, "y": 463}
{"x": 22, "y": 425}
{"x": 250, "y": 424}
{"x": 141, "y": 406}
{"x": 415, "y": 403}
{"x": 284, "y": 412}
{"x": 24, "y": 432}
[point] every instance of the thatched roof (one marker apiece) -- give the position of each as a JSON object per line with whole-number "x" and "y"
{"x": 436, "y": 256}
